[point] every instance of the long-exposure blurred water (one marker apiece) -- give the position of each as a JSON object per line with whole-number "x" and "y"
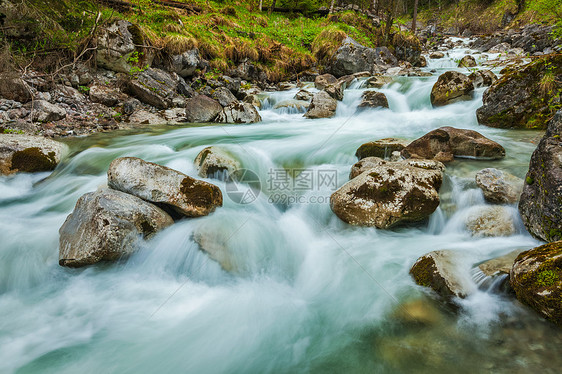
{"x": 311, "y": 294}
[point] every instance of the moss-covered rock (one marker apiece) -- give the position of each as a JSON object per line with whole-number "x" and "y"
{"x": 524, "y": 98}
{"x": 451, "y": 87}
{"x": 30, "y": 154}
{"x": 381, "y": 148}
{"x": 213, "y": 162}
{"x": 536, "y": 278}
{"x": 541, "y": 201}
{"x": 166, "y": 187}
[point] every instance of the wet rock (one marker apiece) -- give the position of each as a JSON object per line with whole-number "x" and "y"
{"x": 303, "y": 95}
{"x": 434, "y": 145}
{"x": 439, "y": 271}
{"x": 322, "y": 106}
{"x": 164, "y": 186}
{"x": 519, "y": 100}
{"x": 371, "y": 162}
{"x": 499, "y": 265}
{"x": 104, "y": 95}
{"x": 12, "y": 87}
{"x": 324, "y": 80}
{"x": 335, "y": 91}
{"x": 117, "y": 47}
{"x": 201, "y": 109}
{"x": 483, "y": 78}
{"x": 107, "y": 225}
{"x": 536, "y": 278}
{"x": 238, "y": 113}
{"x": 186, "y": 63}
{"x": 541, "y": 200}
{"x": 407, "y": 48}
{"x": 450, "y": 87}
{"x": 30, "y": 154}
{"x": 436, "y": 55}
{"x": 471, "y": 144}
{"x": 146, "y": 118}
{"x": 299, "y": 105}
{"x": 254, "y": 100}
{"x": 373, "y": 99}
{"x": 213, "y": 162}
{"x": 418, "y": 312}
{"x": 377, "y": 81}
{"x": 388, "y": 194}
{"x": 224, "y": 96}
{"x": 491, "y": 221}
{"x": 43, "y": 111}
{"x": 499, "y": 187}
{"x": 154, "y": 87}
{"x": 467, "y": 62}
{"x": 381, "y": 148}
{"x": 353, "y": 57}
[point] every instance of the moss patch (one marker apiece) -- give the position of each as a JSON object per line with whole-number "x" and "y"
{"x": 33, "y": 160}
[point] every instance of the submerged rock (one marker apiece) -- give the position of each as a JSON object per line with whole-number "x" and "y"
{"x": 164, "y": 186}
{"x": 29, "y": 154}
{"x": 200, "y": 109}
{"x": 536, "y": 278}
{"x": 541, "y": 201}
{"x": 213, "y": 161}
{"x": 387, "y": 194}
{"x": 450, "y": 87}
{"x": 107, "y": 225}
{"x": 381, "y": 148}
{"x": 439, "y": 271}
{"x": 498, "y": 186}
{"x": 491, "y": 221}
{"x": 322, "y": 106}
{"x": 523, "y": 98}
{"x": 373, "y": 99}
{"x": 499, "y": 265}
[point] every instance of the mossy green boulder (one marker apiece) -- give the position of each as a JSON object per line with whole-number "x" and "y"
{"x": 524, "y": 98}
{"x": 536, "y": 278}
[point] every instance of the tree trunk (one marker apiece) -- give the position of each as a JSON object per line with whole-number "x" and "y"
{"x": 332, "y": 6}
{"x": 414, "y": 20}
{"x": 272, "y": 6}
{"x": 261, "y": 5}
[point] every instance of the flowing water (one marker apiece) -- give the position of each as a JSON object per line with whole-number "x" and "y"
{"x": 308, "y": 292}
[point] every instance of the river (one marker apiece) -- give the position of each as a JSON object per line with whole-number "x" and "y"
{"x": 309, "y": 294}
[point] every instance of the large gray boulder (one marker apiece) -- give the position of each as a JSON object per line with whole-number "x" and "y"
{"x": 439, "y": 270}
{"x": 186, "y": 63}
{"x": 451, "y": 87}
{"x": 12, "y": 87}
{"x": 104, "y": 95}
{"x": 200, "y": 109}
{"x": 322, "y": 106}
{"x": 238, "y": 112}
{"x": 164, "y": 186}
{"x": 324, "y": 80}
{"x": 107, "y": 225}
{"x": 154, "y": 87}
{"x": 499, "y": 187}
{"x": 27, "y": 153}
{"x": 224, "y": 96}
{"x": 387, "y": 194}
{"x": 353, "y": 57}
{"x": 215, "y": 162}
{"x": 43, "y": 111}
{"x": 471, "y": 144}
{"x": 434, "y": 145}
{"x": 541, "y": 200}
{"x": 117, "y": 47}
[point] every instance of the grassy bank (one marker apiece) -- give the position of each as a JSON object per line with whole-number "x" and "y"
{"x": 226, "y": 32}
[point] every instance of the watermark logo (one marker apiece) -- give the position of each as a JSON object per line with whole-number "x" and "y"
{"x": 283, "y": 186}
{"x": 243, "y": 186}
